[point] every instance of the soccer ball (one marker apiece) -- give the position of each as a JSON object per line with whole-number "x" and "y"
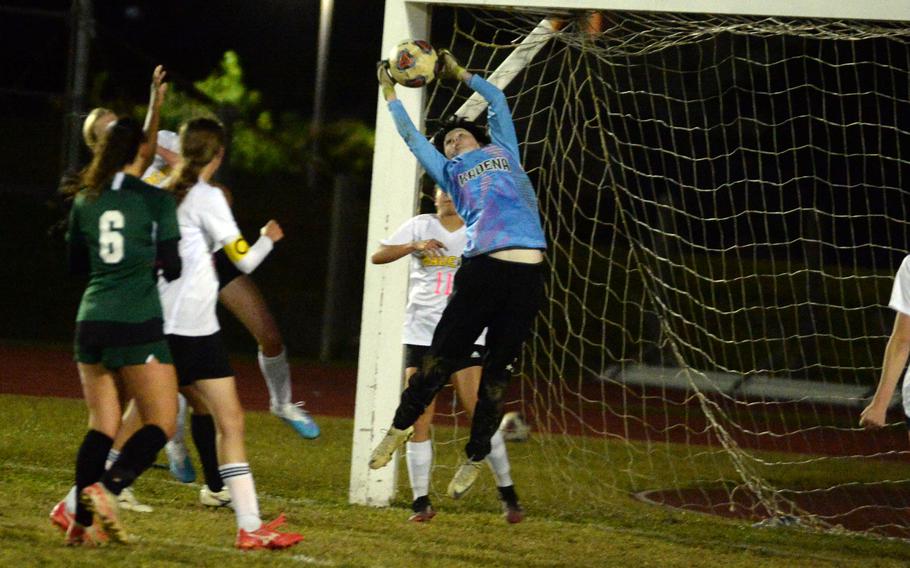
{"x": 514, "y": 428}
{"x": 414, "y": 63}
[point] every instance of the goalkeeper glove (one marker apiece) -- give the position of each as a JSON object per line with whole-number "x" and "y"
{"x": 452, "y": 68}
{"x": 385, "y": 80}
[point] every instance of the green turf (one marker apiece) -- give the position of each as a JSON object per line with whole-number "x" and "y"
{"x": 308, "y": 480}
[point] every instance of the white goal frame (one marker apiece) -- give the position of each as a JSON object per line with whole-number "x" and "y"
{"x": 395, "y": 190}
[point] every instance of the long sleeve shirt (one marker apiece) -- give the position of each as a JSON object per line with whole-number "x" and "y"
{"x": 488, "y": 186}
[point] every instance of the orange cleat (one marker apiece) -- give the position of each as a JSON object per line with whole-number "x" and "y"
{"x": 60, "y": 517}
{"x": 78, "y": 535}
{"x": 103, "y": 504}
{"x": 267, "y": 536}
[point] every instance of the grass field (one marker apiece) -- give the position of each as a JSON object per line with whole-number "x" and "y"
{"x": 308, "y": 481}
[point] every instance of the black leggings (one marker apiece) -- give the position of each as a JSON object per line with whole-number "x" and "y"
{"x": 502, "y": 296}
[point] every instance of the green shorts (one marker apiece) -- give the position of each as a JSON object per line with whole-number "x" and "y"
{"x": 115, "y": 357}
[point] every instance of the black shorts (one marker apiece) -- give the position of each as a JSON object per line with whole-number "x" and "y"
{"x": 225, "y": 269}
{"x": 199, "y": 358}
{"x": 413, "y": 356}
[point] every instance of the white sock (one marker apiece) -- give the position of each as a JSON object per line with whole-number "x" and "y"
{"x": 419, "y": 456}
{"x": 178, "y": 437}
{"x": 112, "y": 456}
{"x": 70, "y": 500}
{"x": 499, "y": 461}
{"x": 239, "y": 481}
{"x": 277, "y": 375}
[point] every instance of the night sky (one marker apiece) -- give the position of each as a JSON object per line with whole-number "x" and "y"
{"x": 275, "y": 39}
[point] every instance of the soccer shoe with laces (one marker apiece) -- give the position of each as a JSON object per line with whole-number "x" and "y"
{"x": 78, "y": 535}
{"x": 211, "y": 498}
{"x": 394, "y": 439}
{"x": 103, "y": 504}
{"x": 298, "y": 418}
{"x": 178, "y": 462}
{"x": 127, "y": 500}
{"x": 60, "y": 517}
{"x": 267, "y": 536}
{"x": 464, "y": 478}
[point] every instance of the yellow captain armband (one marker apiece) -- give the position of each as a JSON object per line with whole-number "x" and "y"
{"x": 237, "y": 249}
{"x": 157, "y": 177}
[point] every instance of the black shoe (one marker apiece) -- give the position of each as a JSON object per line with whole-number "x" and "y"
{"x": 512, "y": 511}
{"x": 423, "y": 510}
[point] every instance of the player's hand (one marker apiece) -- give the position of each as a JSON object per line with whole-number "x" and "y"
{"x": 272, "y": 230}
{"x": 873, "y": 416}
{"x": 451, "y": 67}
{"x": 159, "y": 87}
{"x": 385, "y": 80}
{"x": 429, "y": 247}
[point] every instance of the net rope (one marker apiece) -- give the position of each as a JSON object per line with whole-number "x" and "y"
{"x": 724, "y": 202}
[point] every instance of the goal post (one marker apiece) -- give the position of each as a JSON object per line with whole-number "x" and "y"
{"x": 679, "y": 158}
{"x": 392, "y": 199}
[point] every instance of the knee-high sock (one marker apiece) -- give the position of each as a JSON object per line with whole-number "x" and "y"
{"x": 277, "y": 375}
{"x": 239, "y": 481}
{"x": 90, "y": 467}
{"x": 419, "y": 456}
{"x": 137, "y": 455}
{"x": 202, "y": 427}
{"x": 498, "y": 458}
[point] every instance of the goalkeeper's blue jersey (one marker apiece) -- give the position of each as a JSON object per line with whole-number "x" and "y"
{"x": 488, "y": 186}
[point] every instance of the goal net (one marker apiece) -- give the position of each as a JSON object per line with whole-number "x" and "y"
{"x": 725, "y": 205}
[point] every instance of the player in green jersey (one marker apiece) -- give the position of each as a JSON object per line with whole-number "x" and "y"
{"x": 96, "y": 124}
{"x": 122, "y": 232}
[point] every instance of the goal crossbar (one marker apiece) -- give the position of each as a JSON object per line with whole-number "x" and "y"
{"x": 887, "y": 10}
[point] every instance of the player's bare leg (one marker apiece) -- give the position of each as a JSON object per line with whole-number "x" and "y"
{"x": 221, "y": 397}
{"x": 242, "y": 298}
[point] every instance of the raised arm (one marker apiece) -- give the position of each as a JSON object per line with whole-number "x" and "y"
{"x": 499, "y": 117}
{"x": 153, "y": 116}
{"x": 428, "y": 156}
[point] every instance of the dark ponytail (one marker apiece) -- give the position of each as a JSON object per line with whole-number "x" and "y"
{"x": 116, "y": 149}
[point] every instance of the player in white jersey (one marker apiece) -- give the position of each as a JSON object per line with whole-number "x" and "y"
{"x": 895, "y": 358}
{"x": 191, "y": 324}
{"x": 434, "y": 244}
{"x": 239, "y": 293}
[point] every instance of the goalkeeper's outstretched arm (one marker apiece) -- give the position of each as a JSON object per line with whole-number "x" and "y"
{"x": 499, "y": 117}
{"x": 428, "y": 156}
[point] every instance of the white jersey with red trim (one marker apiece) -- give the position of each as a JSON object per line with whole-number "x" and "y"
{"x": 431, "y": 278}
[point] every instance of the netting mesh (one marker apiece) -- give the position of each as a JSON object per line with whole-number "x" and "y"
{"x": 723, "y": 198}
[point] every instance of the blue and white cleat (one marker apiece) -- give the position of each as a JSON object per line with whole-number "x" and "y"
{"x": 299, "y": 419}
{"x": 179, "y": 463}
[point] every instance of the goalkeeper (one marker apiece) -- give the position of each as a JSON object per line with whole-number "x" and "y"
{"x": 500, "y": 285}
